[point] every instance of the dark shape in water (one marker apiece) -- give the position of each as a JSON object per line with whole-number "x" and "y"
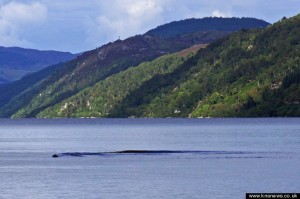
{"x": 55, "y": 156}
{"x": 144, "y": 152}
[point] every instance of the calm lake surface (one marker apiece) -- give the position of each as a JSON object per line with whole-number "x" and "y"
{"x": 234, "y": 156}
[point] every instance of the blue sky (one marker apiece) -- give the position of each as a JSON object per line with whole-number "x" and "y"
{"x": 80, "y": 25}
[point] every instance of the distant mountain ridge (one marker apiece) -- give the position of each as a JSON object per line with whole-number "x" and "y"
{"x": 176, "y": 28}
{"x": 16, "y": 62}
{"x": 35, "y": 93}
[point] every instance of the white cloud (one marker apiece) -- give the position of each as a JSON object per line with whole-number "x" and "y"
{"x": 78, "y": 25}
{"x": 125, "y": 18}
{"x": 218, "y": 13}
{"x": 15, "y": 16}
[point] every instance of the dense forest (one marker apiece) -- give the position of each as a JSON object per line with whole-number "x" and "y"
{"x": 251, "y": 73}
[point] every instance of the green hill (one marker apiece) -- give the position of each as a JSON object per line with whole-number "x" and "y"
{"x": 103, "y": 97}
{"x": 36, "y": 92}
{"x": 248, "y": 74}
{"x": 62, "y": 82}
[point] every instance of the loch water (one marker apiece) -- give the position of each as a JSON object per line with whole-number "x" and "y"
{"x": 224, "y": 158}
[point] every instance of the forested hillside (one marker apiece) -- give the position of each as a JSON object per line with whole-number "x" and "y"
{"x": 101, "y": 99}
{"x": 252, "y": 73}
{"x": 36, "y": 92}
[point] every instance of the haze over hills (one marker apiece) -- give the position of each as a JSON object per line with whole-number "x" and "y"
{"x": 16, "y": 62}
{"x": 30, "y": 96}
